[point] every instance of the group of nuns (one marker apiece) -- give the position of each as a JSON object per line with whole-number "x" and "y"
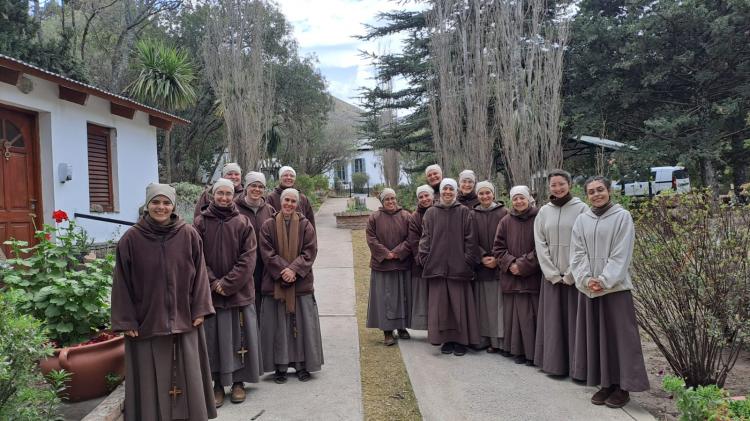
{"x": 546, "y": 286}
{"x": 217, "y": 303}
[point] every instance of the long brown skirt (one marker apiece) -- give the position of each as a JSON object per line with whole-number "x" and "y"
{"x": 556, "y": 327}
{"x": 151, "y": 373}
{"x": 608, "y": 346}
{"x": 519, "y": 318}
{"x": 389, "y": 300}
{"x": 451, "y": 312}
{"x": 234, "y": 347}
{"x": 419, "y": 296}
{"x": 488, "y": 297}
{"x": 281, "y": 348}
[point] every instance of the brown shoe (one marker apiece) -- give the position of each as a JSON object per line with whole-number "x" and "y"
{"x": 403, "y": 334}
{"x": 601, "y": 396}
{"x": 219, "y": 395}
{"x": 618, "y": 398}
{"x": 388, "y": 338}
{"x": 238, "y": 393}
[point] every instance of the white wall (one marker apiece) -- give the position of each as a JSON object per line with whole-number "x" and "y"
{"x": 63, "y": 139}
{"x": 373, "y": 168}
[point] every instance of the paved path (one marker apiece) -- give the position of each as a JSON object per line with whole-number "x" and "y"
{"x": 481, "y": 386}
{"x": 335, "y": 392}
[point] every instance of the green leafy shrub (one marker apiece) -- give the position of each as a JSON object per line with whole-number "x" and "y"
{"x": 705, "y": 402}
{"x": 24, "y": 396}
{"x": 55, "y": 286}
{"x": 406, "y": 195}
{"x": 360, "y": 180}
{"x": 187, "y": 196}
{"x": 320, "y": 182}
{"x": 691, "y": 271}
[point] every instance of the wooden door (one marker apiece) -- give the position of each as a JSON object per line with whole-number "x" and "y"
{"x": 20, "y": 201}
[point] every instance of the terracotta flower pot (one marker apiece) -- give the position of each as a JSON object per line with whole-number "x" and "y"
{"x": 92, "y": 366}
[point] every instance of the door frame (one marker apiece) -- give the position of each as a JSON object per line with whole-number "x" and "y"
{"x": 36, "y": 161}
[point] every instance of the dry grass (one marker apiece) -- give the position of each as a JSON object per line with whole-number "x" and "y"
{"x": 386, "y": 389}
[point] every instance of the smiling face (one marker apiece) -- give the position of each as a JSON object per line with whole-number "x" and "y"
{"x": 466, "y": 186}
{"x": 223, "y": 196}
{"x": 486, "y": 197}
{"x": 447, "y": 194}
{"x": 597, "y": 193}
{"x": 559, "y": 186}
{"x": 390, "y": 203}
{"x": 254, "y": 191}
{"x": 520, "y": 203}
{"x": 425, "y": 199}
{"x": 234, "y": 177}
{"x": 160, "y": 209}
{"x": 434, "y": 177}
{"x": 288, "y": 205}
{"x": 287, "y": 179}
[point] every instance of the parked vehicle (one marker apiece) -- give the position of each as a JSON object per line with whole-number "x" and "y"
{"x": 674, "y": 178}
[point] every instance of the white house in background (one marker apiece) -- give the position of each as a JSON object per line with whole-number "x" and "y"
{"x": 71, "y": 146}
{"x": 366, "y": 160}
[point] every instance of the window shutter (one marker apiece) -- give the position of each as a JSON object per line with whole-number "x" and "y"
{"x": 100, "y": 168}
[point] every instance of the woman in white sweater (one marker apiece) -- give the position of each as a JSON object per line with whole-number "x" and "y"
{"x": 608, "y": 346}
{"x": 558, "y": 298}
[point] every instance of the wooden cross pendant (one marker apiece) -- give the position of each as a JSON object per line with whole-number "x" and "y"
{"x": 242, "y": 353}
{"x": 174, "y": 392}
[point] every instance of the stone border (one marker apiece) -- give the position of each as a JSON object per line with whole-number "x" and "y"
{"x": 111, "y": 408}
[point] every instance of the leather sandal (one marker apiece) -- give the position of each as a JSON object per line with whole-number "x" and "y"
{"x": 303, "y": 375}
{"x": 279, "y": 377}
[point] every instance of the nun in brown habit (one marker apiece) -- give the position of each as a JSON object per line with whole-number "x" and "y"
{"x": 558, "y": 297}
{"x": 447, "y": 254}
{"x": 467, "y": 195}
{"x": 520, "y": 276}
{"x": 608, "y": 346}
{"x": 160, "y": 296}
{"x": 253, "y": 205}
{"x": 390, "y": 264}
{"x": 230, "y": 247}
{"x": 289, "y": 321}
{"x": 232, "y": 172}
{"x": 418, "y": 319}
{"x": 487, "y": 293}
{"x": 287, "y": 178}
{"x": 434, "y": 175}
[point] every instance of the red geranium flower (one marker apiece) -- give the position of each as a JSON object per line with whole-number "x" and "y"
{"x": 48, "y": 236}
{"x": 59, "y": 216}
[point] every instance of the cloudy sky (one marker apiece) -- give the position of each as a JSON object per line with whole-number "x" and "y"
{"x": 327, "y": 29}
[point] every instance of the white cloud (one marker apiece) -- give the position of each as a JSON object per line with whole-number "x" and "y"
{"x": 327, "y": 28}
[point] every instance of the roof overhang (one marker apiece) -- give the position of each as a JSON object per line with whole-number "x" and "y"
{"x": 12, "y": 70}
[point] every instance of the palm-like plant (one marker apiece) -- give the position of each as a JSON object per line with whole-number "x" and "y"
{"x": 165, "y": 80}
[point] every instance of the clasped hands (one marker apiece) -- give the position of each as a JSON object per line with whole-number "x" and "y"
{"x": 489, "y": 262}
{"x": 594, "y": 285}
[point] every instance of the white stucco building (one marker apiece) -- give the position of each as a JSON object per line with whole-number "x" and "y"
{"x": 366, "y": 160}
{"x": 71, "y": 146}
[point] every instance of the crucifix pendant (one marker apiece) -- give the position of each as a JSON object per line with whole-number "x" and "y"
{"x": 242, "y": 353}
{"x": 174, "y": 392}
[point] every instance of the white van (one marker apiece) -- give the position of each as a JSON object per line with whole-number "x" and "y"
{"x": 662, "y": 178}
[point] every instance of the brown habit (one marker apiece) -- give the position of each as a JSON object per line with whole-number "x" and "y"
{"x": 387, "y": 232}
{"x": 160, "y": 286}
{"x": 514, "y": 243}
{"x": 230, "y": 247}
{"x": 470, "y": 200}
{"x": 447, "y": 254}
{"x": 303, "y": 206}
{"x": 257, "y": 217}
{"x": 306, "y": 252}
{"x": 419, "y": 293}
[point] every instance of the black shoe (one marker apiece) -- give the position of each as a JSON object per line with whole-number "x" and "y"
{"x": 279, "y": 377}
{"x": 519, "y": 359}
{"x": 459, "y": 350}
{"x": 505, "y": 353}
{"x": 530, "y": 362}
{"x": 447, "y": 348}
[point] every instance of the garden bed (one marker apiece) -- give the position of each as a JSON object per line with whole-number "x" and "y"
{"x": 660, "y": 403}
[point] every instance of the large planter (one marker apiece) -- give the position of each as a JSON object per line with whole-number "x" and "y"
{"x": 352, "y": 220}
{"x": 95, "y": 368}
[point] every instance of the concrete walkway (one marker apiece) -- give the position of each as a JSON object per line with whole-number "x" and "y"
{"x": 335, "y": 393}
{"x": 481, "y": 386}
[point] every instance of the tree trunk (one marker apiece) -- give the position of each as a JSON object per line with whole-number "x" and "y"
{"x": 709, "y": 174}
{"x": 739, "y": 162}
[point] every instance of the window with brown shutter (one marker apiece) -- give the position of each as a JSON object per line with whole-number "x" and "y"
{"x": 100, "y": 168}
